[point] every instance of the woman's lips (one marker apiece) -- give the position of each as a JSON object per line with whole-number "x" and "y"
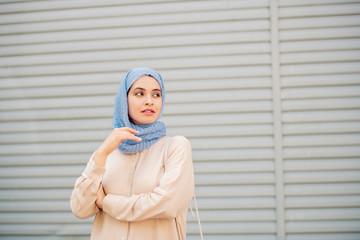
{"x": 148, "y": 111}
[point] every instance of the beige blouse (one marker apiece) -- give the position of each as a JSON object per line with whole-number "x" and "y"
{"x": 148, "y": 193}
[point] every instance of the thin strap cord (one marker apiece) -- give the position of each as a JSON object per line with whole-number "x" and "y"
{"x": 178, "y": 229}
{"x": 198, "y": 217}
{"x": 191, "y": 210}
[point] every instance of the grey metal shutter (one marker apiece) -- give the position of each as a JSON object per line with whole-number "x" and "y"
{"x": 320, "y": 77}
{"x": 266, "y": 91}
{"x": 63, "y": 63}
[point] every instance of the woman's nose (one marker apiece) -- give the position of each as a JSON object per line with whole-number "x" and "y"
{"x": 148, "y": 101}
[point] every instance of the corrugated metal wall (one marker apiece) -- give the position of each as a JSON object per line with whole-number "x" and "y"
{"x": 268, "y": 92}
{"x": 320, "y": 77}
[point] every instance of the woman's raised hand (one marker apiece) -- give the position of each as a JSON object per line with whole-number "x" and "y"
{"x": 117, "y": 136}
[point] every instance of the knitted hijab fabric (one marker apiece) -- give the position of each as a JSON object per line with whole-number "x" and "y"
{"x": 149, "y": 133}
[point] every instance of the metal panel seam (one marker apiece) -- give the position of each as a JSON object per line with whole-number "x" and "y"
{"x": 280, "y": 209}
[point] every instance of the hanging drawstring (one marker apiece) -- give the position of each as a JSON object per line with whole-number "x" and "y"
{"x": 178, "y": 227}
{"x": 197, "y": 216}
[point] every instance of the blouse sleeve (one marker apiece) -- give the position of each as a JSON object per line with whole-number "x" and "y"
{"x": 175, "y": 190}
{"x": 84, "y": 194}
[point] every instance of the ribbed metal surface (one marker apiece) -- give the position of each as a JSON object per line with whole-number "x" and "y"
{"x": 61, "y": 64}
{"x": 321, "y": 88}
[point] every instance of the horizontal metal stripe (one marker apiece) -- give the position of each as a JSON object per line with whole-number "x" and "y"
{"x": 57, "y": 125}
{"x": 223, "y": 131}
{"x": 322, "y": 177}
{"x": 247, "y": 42}
{"x": 321, "y": 116}
{"x": 256, "y": 215}
{"x": 237, "y": 203}
{"x": 324, "y": 236}
{"x": 41, "y": 171}
{"x": 323, "y": 214}
{"x": 233, "y": 154}
{"x": 316, "y": 21}
{"x": 295, "y": 3}
{"x": 321, "y": 164}
{"x": 34, "y": 206}
{"x": 261, "y": 227}
{"x": 228, "y": 73}
{"x": 45, "y": 159}
{"x": 36, "y": 194}
{"x": 57, "y": 114}
{"x": 49, "y": 148}
{"x": 218, "y": 96}
{"x": 58, "y": 5}
{"x": 220, "y": 179}
{"x": 320, "y": 57}
{"x": 253, "y": 166}
{"x": 322, "y": 104}
{"x": 323, "y": 227}
{"x": 319, "y": 128}
{"x": 28, "y": 94}
{"x": 37, "y": 183}
{"x": 145, "y": 31}
{"x": 257, "y": 66}
{"x": 136, "y": 20}
{"x": 323, "y": 80}
{"x": 321, "y": 152}
{"x": 308, "y": 11}
{"x": 236, "y": 191}
{"x": 45, "y": 229}
{"x": 325, "y": 189}
{"x": 243, "y": 236}
{"x": 232, "y": 142}
{"x": 320, "y": 68}
{"x": 108, "y": 7}
{"x": 28, "y": 48}
{"x": 319, "y": 45}
{"x": 319, "y": 202}
{"x": 133, "y": 54}
{"x": 322, "y": 92}
{"x": 47, "y": 237}
{"x": 322, "y": 140}
{"x": 325, "y": 33}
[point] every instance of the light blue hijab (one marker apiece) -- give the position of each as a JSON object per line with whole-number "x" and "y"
{"x": 149, "y": 133}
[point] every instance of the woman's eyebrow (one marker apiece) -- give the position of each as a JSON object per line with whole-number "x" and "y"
{"x": 143, "y": 89}
{"x": 139, "y": 88}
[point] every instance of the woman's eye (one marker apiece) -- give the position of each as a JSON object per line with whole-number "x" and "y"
{"x": 138, "y": 94}
{"x": 157, "y": 95}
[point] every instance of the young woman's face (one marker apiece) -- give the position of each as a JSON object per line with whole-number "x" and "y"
{"x": 144, "y": 101}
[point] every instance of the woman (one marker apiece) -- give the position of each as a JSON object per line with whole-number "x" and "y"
{"x": 139, "y": 182}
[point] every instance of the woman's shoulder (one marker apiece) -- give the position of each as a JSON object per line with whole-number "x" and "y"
{"x": 177, "y": 141}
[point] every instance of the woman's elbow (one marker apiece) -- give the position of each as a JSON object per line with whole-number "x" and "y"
{"x": 82, "y": 211}
{"x": 173, "y": 208}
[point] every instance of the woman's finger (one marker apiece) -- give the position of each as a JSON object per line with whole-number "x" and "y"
{"x": 133, "y": 137}
{"x": 128, "y": 129}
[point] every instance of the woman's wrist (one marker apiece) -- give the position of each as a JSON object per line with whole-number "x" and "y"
{"x": 100, "y": 157}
